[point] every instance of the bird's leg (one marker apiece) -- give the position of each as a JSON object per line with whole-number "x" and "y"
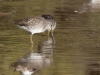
{"x": 42, "y": 33}
{"x": 31, "y": 47}
{"x": 31, "y": 41}
{"x": 48, "y": 32}
{"x": 51, "y": 32}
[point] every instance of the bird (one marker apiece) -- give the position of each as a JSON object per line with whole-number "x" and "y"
{"x": 37, "y": 24}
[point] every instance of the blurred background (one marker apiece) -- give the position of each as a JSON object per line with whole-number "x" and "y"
{"x": 77, "y": 36}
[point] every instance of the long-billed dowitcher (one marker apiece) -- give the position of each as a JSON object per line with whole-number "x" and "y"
{"x": 37, "y": 24}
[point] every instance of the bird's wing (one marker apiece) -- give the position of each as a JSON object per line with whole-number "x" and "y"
{"x": 30, "y": 22}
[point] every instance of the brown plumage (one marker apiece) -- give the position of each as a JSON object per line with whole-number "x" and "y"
{"x": 37, "y": 24}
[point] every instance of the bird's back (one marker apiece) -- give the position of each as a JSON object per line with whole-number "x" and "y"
{"x": 30, "y": 22}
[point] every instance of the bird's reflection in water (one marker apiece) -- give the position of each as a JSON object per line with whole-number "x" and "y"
{"x": 93, "y": 69}
{"x": 36, "y": 61}
{"x": 47, "y": 45}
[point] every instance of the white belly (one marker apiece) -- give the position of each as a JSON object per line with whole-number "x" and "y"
{"x": 33, "y": 31}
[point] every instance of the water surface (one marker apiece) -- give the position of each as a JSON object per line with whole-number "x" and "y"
{"x": 77, "y": 48}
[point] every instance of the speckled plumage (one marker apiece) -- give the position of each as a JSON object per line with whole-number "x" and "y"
{"x": 37, "y": 24}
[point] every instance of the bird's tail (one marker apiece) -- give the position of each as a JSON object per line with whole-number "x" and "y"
{"x": 11, "y": 21}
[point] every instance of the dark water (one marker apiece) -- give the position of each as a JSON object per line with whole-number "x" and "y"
{"x": 74, "y": 49}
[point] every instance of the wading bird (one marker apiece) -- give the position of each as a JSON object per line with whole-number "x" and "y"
{"x": 37, "y": 24}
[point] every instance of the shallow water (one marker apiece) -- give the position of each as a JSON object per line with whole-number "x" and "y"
{"x": 75, "y": 48}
